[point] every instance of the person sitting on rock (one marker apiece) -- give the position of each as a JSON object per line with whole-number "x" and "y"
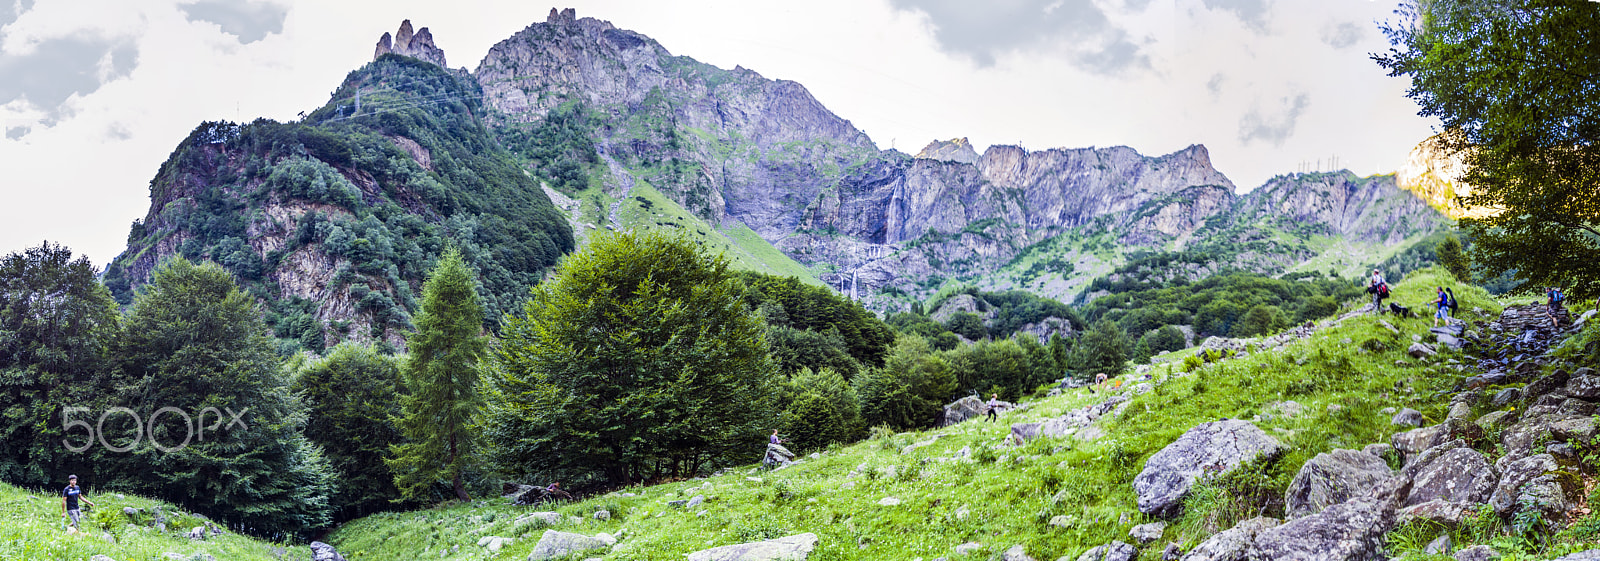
{"x": 554, "y": 490}
{"x": 776, "y": 453}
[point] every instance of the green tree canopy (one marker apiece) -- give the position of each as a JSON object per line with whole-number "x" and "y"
{"x": 442, "y": 403}
{"x": 56, "y": 321}
{"x": 638, "y": 359}
{"x": 910, "y": 388}
{"x": 352, "y": 396}
{"x": 1513, "y": 83}
{"x": 194, "y": 342}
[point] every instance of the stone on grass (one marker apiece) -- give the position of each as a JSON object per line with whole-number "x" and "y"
{"x": 789, "y": 548}
{"x": 1420, "y": 350}
{"x": 1407, "y": 417}
{"x": 1146, "y": 533}
{"x": 1208, "y": 449}
{"x": 696, "y": 500}
{"x": 1439, "y": 546}
{"x": 547, "y": 518}
{"x": 1114, "y": 551}
{"x": 324, "y": 552}
{"x": 602, "y": 515}
{"x": 553, "y": 545}
{"x": 889, "y": 501}
{"x": 967, "y": 548}
{"x": 1331, "y": 478}
{"x": 1477, "y": 553}
{"x": 1016, "y": 553}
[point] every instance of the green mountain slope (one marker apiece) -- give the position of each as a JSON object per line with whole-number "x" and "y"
{"x": 1054, "y": 497}
{"x": 33, "y": 528}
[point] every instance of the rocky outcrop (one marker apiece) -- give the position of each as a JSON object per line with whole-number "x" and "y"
{"x": 957, "y": 150}
{"x": 1433, "y": 172}
{"x": 418, "y": 45}
{"x": 324, "y": 552}
{"x": 1208, "y": 449}
{"x": 1114, "y": 551}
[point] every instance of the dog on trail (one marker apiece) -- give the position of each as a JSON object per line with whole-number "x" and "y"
{"x": 1401, "y": 311}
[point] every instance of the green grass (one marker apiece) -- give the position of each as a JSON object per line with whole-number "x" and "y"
{"x": 33, "y": 528}
{"x": 647, "y": 209}
{"x": 1009, "y": 493}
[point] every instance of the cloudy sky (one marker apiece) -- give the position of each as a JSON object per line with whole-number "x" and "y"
{"x": 94, "y": 94}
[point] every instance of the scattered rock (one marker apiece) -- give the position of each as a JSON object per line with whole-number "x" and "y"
{"x": 197, "y": 533}
{"x": 967, "y": 548}
{"x": 1114, "y": 551}
{"x": 1016, "y": 553}
{"x": 1331, "y": 478}
{"x": 1146, "y": 533}
{"x": 555, "y": 544}
{"x": 1413, "y": 442}
{"x": 695, "y": 501}
{"x": 1439, "y": 546}
{"x": 324, "y": 552}
{"x": 1208, "y": 449}
{"x": 547, "y": 518}
{"x": 1060, "y": 521}
{"x": 1477, "y": 553}
{"x": 602, "y": 515}
{"x": 1494, "y": 419}
{"x": 1581, "y": 556}
{"x": 1584, "y": 383}
{"x": 1231, "y": 544}
{"x": 1172, "y": 552}
{"x": 1420, "y": 350}
{"x": 789, "y": 548}
{"x": 1378, "y": 449}
{"x": 889, "y": 501}
{"x": 1407, "y": 417}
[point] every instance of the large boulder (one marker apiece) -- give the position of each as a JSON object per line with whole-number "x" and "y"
{"x": 1516, "y": 473}
{"x": 553, "y": 545}
{"x": 1348, "y": 531}
{"x": 1230, "y": 544}
{"x": 1414, "y": 441}
{"x": 1585, "y": 383}
{"x": 1208, "y": 449}
{"x": 963, "y": 409}
{"x": 1114, "y": 551}
{"x": 1331, "y": 478}
{"x": 789, "y": 548}
{"x": 1023, "y": 432}
{"x": 1450, "y": 473}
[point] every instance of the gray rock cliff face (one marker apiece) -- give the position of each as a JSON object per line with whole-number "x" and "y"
{"x": 417, "y": 45}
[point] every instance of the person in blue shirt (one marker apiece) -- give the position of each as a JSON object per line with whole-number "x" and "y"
{"x": 1443, "y": 303}
{"x": 69, "y": 501}
{"x": 1553, "y": 306}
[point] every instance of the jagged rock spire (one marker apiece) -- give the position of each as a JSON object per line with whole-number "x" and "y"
{"x": 418, "y": 44}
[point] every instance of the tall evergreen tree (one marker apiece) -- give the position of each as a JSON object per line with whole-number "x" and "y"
{"x": 441, "y": 375}
{"x": 195, "y": 345}
{"x": 56, "y": 321}
{"x": 637, "y": 360}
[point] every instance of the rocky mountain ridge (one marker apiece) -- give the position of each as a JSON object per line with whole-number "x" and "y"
{"x": 621, "y": 121}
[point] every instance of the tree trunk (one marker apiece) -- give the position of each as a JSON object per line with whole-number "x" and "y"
{"x": 461, "y": 489}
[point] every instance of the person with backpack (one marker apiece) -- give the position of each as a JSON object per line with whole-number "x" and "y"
{"x": 1453, "y": 304}
{"x": 1553, "y": 306}
{"x": 1379, "y": 290}
{"x": 1442, "y": 302}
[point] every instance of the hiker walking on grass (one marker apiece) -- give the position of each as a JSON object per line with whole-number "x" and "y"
{"x": 1379, "y": 290}
{"x": 994, "y": 405}
{"x": 1442, "y": 302}
{"x": 69, "y": 501}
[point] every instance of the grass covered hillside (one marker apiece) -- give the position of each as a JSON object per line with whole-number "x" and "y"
{"x": 922, "y": 494}
{"x": 33, "y": 528}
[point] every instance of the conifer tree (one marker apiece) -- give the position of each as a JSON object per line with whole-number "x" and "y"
{"x": 194, "y": 346}
{"x": 441, "y": 376}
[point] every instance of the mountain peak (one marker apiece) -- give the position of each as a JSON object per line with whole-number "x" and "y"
{"x": 418, "y": 45}
{"x": 953, "y": 150}
{"x": 568, "y": 15}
